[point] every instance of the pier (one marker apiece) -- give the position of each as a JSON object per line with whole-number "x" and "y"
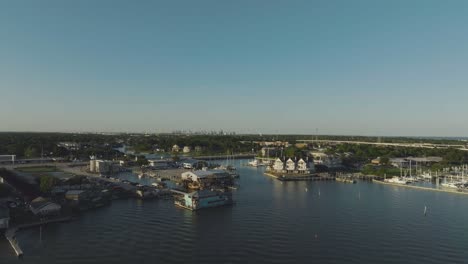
{"x": 10, "y": 233}
{"x": 453, "y": 191}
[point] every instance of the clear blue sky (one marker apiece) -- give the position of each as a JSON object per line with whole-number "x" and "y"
{"x": 342, "y": 67}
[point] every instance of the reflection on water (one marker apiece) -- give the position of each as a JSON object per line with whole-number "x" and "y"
{"x": 272, "y": 222}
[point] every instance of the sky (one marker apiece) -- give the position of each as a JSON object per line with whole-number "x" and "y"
{"x": 378, "y": 68}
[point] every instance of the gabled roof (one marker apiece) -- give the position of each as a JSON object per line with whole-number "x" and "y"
{"x": 39, "y": 205}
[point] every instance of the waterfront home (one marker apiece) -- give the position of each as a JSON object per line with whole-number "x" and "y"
{"x": 302, "y": 166}
{"x": 278, "y": 166}
{"x": 290, "y": 165}
{"x": 43, "y": 207}
{"x": 4, "y": 216}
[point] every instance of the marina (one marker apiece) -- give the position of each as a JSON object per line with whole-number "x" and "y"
{"x": 422, "y": 188}
{"x": 318, "y": 215}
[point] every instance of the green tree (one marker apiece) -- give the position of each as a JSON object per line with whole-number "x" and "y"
{"x": 384, "y": 160}
{"x": 142, "y": 160}
{"x": 47, "y": 182}
{"x": 31, "y": 152}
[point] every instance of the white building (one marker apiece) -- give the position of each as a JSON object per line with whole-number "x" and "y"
{"x": 186, "y": 149}
{"x": 302, "y": 165}
{"x": 278, "y": 166}
{"x": 175, "y": 148}
{"x": 290, "y": 165}
{"x": 100, "y": 166}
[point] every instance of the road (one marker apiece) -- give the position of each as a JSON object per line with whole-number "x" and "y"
{"x": 411, "y": 145}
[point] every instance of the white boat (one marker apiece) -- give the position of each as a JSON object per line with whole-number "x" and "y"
{"x": 397, "y": 180}
{"x": 452, "y": 185}
{"x": 253, "y": 163}
{"x": 410, "y": 179}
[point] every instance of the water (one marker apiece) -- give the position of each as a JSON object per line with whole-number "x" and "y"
{"x": 272, "y": 222}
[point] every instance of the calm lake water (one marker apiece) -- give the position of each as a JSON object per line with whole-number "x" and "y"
{"x": 271, "y": 223}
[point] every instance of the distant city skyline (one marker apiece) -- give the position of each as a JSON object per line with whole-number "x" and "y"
{"x": 372, "y": 68}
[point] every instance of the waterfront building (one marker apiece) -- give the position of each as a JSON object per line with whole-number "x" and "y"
{"x": 278, "y": 166}
{"x": 4, "y": 216}
{"x": 302, "y": 166}
{"x": 202, "y": 199}
{"x": 290, "y": 166}
{"x": 201, "y": 179}
{"x": 44, "y": 207}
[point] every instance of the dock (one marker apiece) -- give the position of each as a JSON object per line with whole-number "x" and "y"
{"x": 10, "y": 233}
{"x": 421, "y": 188}
{"x": 310, "y": 177}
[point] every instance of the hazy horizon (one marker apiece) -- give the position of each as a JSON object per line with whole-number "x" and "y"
{"x": 370, "y": 68}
